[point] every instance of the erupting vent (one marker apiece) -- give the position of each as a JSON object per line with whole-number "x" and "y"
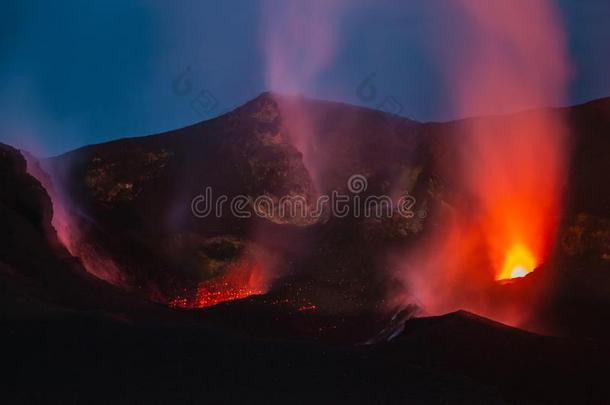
{"x": 241, "y": 280}
{"x": 519, "y": 262}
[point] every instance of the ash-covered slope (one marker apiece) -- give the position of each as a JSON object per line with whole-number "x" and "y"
{"x": 75, "y": 338}
{"x": 132, "y": 198}
{"x": 131, "y": 202}
{"x": 520, "y": 364}
{"x": 38, "y": 276}
{"x": 70, "y": 337}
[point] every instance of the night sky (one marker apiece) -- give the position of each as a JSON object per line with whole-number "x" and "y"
{"x": 79, "y": 72}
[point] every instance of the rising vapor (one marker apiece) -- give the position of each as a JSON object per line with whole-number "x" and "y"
{"x": 510, "y": 171}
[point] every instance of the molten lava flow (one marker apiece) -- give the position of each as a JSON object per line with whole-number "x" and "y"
{"x": 519, "y": 262}
{"x": 241, "y": 280}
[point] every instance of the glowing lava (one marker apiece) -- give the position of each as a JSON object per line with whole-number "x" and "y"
{"x": 509, "y": 167}
{"x": 241, "y": 280}
{"x": 519, "y": 262}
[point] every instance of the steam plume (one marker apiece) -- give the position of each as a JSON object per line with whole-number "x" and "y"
{"x": 510, "y": 168}
{"x": 300, "y": 43}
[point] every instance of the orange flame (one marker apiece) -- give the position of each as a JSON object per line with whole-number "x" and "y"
{"x": 510, "y": 168}
{"x": 519, "y": 262}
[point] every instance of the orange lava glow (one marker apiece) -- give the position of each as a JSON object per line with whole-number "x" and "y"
{"x": 310, "y": 307}
{"x": 519, "y": 262}
{"x": 509, "y": 167}
{"x": 240, "y": 280}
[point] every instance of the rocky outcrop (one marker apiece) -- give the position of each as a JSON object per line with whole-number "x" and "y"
{"x": 38, "y": 276}
{"x": 132, "y": 198}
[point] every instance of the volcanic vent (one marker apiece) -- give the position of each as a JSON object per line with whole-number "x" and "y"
{"x": 131, "y": 200}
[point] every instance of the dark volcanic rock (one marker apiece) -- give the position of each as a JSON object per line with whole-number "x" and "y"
{"x": 132, "y": 199}
{"x": 70, "y": 334}
{"x": 22, "y": 197}
{"x": 37, "y": 274}
{"x": 27, "y": 239}
{"x": 69, "y": 337}
{"x": 520, "y": 364}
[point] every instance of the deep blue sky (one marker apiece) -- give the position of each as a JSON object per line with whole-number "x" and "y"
{"x": 76, "y": 72}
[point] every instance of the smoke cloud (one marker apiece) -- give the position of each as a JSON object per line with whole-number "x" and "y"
{"x": 67, "y": 229}
{"x": 510, "y": 169}
{"x": 300, "y": 42}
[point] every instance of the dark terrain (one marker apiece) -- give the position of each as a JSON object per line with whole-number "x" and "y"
{"x": 71, "y": 337}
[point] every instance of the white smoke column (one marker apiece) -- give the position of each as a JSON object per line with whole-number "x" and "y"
{"x": 300, "y": 42}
